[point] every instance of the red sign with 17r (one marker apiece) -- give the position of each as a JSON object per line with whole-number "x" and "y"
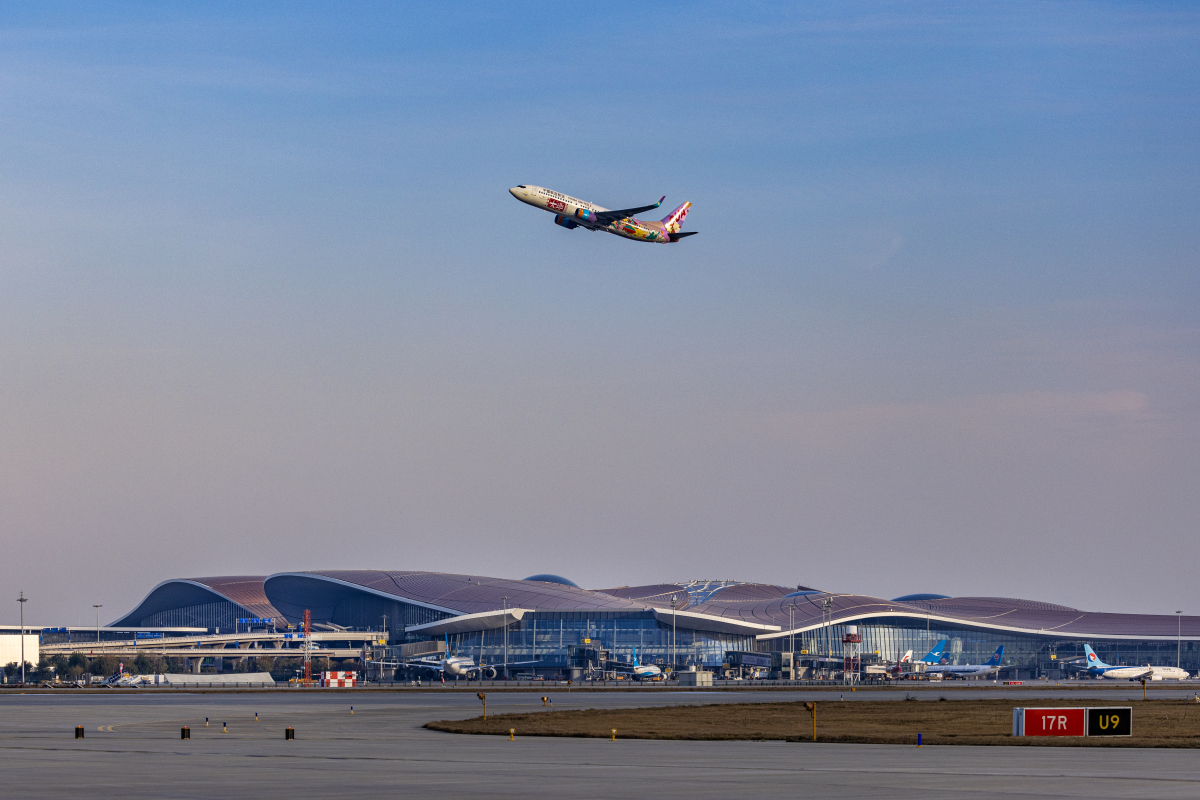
{"x": 1050, "y": 722}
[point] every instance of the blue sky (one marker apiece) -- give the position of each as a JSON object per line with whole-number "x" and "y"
{"x": 266, "y": 304}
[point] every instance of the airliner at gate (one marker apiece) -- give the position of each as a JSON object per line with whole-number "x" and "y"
{"x": 570, "y": 212}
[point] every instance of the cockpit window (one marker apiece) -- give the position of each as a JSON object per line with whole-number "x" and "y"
{"x": 520, "y": 187}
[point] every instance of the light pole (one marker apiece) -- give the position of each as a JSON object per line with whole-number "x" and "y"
{"x": 672, "y": 634}
{"x": 505, "y": 637}
{"x": 22, "y": 599}
{"x": 97, "y": 606}
{"x": 826, "y": 619}
{"x": 1178, "y": 639}
{"x": 792, "y": 628}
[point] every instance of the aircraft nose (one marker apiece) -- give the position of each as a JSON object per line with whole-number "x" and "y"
{"x": 515, "y": 192}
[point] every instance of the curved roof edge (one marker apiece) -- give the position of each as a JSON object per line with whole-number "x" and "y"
{"x": 211, "y": 585}
{"x": 483, "y": 621}
{"x": 967, "y": 623}
{"x": 316, "y": 576}
{"x": 693, "y": 620}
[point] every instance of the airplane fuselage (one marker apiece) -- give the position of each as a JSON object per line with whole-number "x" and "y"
{"x": 965, "y": 670}
{"x": 571, "y": 212}
{"x": 1137, "y": 673}
{"x": 1148, "y": 672}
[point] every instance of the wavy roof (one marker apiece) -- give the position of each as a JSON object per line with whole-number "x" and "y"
{"x": 472, "y": 594}
{"x": 243, "y": 590}
{"x": 1029, "y": 616}
{"x": 753, "y": 603}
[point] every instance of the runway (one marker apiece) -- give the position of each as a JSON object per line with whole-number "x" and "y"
{"x": 132, "y": 749}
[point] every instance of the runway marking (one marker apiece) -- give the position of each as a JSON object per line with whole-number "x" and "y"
{"x": 107, "y": 728}
{"x": 600, "y": 765}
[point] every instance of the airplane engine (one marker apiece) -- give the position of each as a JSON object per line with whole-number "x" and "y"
{"x": 489, "y": 673}
{"x": 585, "y": 215}
{"x": 559, "y": 219}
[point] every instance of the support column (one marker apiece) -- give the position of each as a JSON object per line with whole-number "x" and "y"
{"x": 195, "y": 665}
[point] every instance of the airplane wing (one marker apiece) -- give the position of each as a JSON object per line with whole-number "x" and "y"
{"x": 609, "y": 217}
{"x": 512, "y": 664}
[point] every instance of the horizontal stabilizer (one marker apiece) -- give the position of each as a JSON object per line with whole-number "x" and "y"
{"x": 675, "y": 237}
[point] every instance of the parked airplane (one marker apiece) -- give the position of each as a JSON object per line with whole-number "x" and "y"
{"x": 935, "y": 656}
{"x": 894, "y": 667}
{"x": 570, "y": 212}
{"x": 1101, "y": 670}
{"x": 639, "y": 672}
{"x": 971, "y": 670}
{"x": 458, "y": 666}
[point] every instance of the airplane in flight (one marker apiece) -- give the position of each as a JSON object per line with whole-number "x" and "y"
{"x": 570, "y": 212}
{"x": 1101, "y": 670}
{"x": 970, "y": 670}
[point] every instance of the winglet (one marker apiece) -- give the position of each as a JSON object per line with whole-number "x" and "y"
{"x": 660, "y": 201}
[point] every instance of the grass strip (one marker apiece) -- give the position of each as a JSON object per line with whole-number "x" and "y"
{"x": 1156, "y": 723}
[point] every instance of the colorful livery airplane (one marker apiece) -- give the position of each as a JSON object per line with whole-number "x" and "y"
{"x": 570, "y": 212}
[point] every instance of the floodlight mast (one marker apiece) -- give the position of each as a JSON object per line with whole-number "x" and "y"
{"x": 1178, "y": 639}
{"x": 22, "y": 599}
{"x": 97, "y": 606}
{"x": 307, "y": 646}
{"x": 826, "y": 621}
{"x": 505, "y": 598}
{"x": 672, "y": 634}
{"x": 792, "y": 628}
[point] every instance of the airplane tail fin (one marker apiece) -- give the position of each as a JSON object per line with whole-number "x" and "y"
{"x": 674, "y": 221}
{"x": 935, "y": 655}
{"x": 635, "y": 661}
{"x": 994, "y": 661}
{"x": 907, "y": 657}
{"x": 1093, "y": 660}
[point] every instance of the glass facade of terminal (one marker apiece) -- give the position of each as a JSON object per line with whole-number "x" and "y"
{"x": 221, "y": 615}
{"x": 889, "y": 638}
{"x": 548, "y": 637}
{"x": 372, "y": 612}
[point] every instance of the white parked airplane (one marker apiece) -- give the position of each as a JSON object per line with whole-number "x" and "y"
{"x": 1101, "y": 670}
{"x": 970, "y": 670}
{"x": 640, "y": 672}
{"x": 461, "y": 666}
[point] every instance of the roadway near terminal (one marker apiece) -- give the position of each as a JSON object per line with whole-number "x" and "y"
{"x": 222, "y": 645}
{"x": 132, "y": 748}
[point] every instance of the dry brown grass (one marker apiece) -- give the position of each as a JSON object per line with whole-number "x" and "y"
{"x": 1156, "y": 723}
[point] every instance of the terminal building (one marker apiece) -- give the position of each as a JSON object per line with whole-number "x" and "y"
{"x": 560, "y": 627}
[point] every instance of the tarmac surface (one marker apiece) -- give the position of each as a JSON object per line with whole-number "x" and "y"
{"x": 133, "y": 749}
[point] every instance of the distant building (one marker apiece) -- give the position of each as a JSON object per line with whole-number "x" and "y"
{"x": 550, "y": 620}
{"x": 10, "y": 645}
